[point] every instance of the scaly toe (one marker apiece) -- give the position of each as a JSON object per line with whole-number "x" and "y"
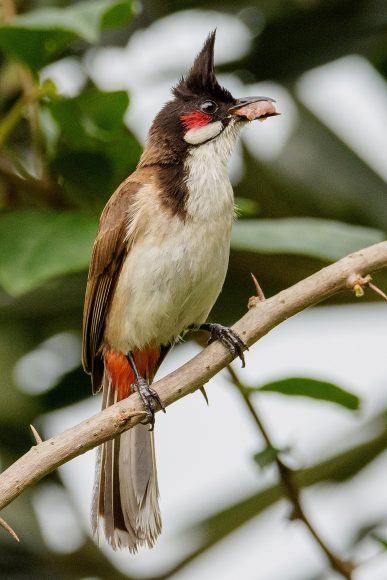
{"x": 150, "y": 401}
{"x": 156, "y": 398}
{"x": 231, "y": 340}
{"x": 238, "y": 339}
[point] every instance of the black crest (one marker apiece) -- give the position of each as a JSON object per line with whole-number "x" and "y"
{"x": 201, "y": 78}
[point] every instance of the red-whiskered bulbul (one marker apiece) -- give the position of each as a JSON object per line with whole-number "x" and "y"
{"x": 158, "y": 265}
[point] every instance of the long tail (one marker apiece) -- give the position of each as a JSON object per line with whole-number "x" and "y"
{"x": 125, "y": 499}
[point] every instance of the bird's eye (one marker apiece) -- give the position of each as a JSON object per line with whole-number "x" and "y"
{"x": 208, "y": 107}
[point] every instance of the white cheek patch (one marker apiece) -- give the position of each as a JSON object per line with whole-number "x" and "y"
{"x": 201, "y": 134}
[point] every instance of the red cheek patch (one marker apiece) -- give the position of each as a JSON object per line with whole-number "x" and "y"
{"x": 195, "y": 119}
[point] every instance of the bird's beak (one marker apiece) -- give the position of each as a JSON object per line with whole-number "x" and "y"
{"x": 251, "y": 108}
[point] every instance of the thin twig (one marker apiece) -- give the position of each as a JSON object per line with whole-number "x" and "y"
{"x": 345, "y": 568}
{"x": 260, "y": 293}
{"x": 8, "y": 528}
{"x": 260, "y": 297}
{"x": 36, "y": 435}
{"x": 357, "y": 283}
{"x": 258, "y": 321}
{"x": 377, "y": 290}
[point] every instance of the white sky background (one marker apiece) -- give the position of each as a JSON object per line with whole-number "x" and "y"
{"x": 204, "y": 454}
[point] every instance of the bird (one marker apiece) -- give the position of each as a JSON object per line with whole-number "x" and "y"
{"x": 158, "y": 264}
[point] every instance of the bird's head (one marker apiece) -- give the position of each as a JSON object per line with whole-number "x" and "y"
{"x": 203, "y": 111}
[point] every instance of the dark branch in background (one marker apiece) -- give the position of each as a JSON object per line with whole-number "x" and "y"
{"x": 288, "y": 481}
{"x": 336, "y": 468}
{"x": 286, "y": 474}
{"x": 262, "y": 317}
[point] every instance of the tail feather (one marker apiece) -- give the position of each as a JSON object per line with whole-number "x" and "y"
{"x": 140, "y": 491}
{"x": 125, "y": 498}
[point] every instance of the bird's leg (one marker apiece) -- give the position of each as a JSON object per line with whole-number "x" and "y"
{"x": 148, "y": 396}
{"x": 228, "y": 337}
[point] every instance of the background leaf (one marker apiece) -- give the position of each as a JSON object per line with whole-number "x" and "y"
{"x": 99, "y": 143}
{"x": 267, "y": 456}
{"x": 313, "y": 388}
{"x": 39, "y": 36}
{"x": 36, "y": 246}
{"x": 324, "y": 239}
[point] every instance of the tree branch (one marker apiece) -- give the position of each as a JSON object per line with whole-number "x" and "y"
{"x": 48, "y": 455}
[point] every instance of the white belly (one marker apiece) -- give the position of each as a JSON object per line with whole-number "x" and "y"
{"x": 164, "y": 288}
{"x": 173, "y": 275}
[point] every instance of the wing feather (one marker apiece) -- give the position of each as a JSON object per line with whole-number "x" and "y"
{"x": 109, "y": 250}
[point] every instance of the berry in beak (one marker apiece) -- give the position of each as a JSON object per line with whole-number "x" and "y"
{"x": 251, "y": 108}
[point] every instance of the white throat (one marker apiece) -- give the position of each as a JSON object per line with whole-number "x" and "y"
{"x": 210, "y": 192}
{"x": 202, "y": 134}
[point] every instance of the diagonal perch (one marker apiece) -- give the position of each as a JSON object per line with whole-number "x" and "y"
{"x": 48, "y": 455}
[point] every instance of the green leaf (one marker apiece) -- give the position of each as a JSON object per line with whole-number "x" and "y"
{"x": 99, "y": 116}
{"x": 323, "y": 239}
{"x": 267, "y": 456}
{"x": 305, "y": 387}
{"x": 107, "y": 109}
{"x": 95, "y": 150}
{"x": 38, "y": 37}
{"x": 36, "y": 246}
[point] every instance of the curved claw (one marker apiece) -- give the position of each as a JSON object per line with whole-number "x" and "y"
{"x": 150, "y": 400}
{"x": 229, "y": 338}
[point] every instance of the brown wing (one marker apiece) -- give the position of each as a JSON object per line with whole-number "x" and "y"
{"x": 109, "y": 250}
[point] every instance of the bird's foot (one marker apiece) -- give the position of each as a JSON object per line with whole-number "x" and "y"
{"x": 228, "y": 337}
{"x": 150, "y": 400}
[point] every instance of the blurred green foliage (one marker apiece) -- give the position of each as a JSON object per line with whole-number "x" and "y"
{"x": 305, "y": 387}
{"x": 39, "y": 36}
{"x": 61, "y": 158}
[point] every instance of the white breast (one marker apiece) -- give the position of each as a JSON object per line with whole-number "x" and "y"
{"x": 174, "y": 273}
